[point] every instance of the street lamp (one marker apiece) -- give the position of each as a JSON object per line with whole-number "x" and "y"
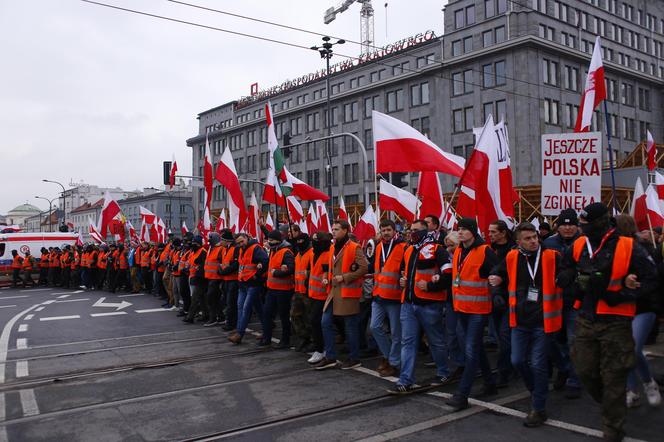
{"x": 325, "y": 51}
{"x": 50, "y": 212}
{"x": 64, "y": 201}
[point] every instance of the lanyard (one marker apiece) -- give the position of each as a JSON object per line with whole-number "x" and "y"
{"x": 382, "y": 251}
{"x": 532, "y": 272}
{"x": 601, "y": 244}
{"x": 462, "y": 262}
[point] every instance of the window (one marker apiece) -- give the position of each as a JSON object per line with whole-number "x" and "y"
{"x": 334, "y": 116}
{"x": 422, "y": 125}
{"x": 500, "y": 73}
{"x": 313, "y": 178}
{"x": 370, "y": 104}
{"x": 356, "y": 82}
{"x": 489, "y": 8}
{"x": 301, "y": 99}
{"x": 627, "y": 94}
{"x": 351, "y": 173}
{"x": 502, "y": 6}
{"x": 470, "y": 15}
{"x": 348, "y": 145}
{"x": 368, "y": 139}
{"x": 500, "y": 34}
{"x": 501, "y": 110}
{"x": 571, "y": 112}
{"x": 487, "y": 38}
{"x": 467, "y": 44}
{"x": 312, "y": 152}
{"x": 551, "y": 115}
{"x": 462, "y": 119}
{"x": 570, "y": 78}
{"x": 462, "y": 82}
{"x": 628, "y": 128}
{"x": 644, "y": 99}
{"x": 550, "y": 72}
{"x": 456, "y": 48}
{"x": 251, "y": 138}
{"x": 459, "y": 19}
{"x": 547, "y": 32}
{"x": 350, "y": 112}
{"x": 264, "y": 160}
{"x": 296, "y": 126}
{"x": 540, "y": 6}
{"x": 395, "y": 100}
{"x": 263, "y": 134}
{"x": 493, "y": 74}
{"x": 419, "y": 94}
{"x": 313, "y": 122}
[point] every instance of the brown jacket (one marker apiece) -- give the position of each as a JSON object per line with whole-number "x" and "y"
{"x": 347, "y": 306}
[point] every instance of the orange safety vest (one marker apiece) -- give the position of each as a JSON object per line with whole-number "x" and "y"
{"x": 552, "y": 296}
{"x": 226, "y": 259}
{"x": 212, "y": 263}
{"x": 386, "y": 280}
{"x": 17, "y": 262}
{"x": 145, "y": 258}
{"x": 76, "y": 262}
{"x": 163, "y": 257}
{"x": 55, "y": 260}
{"x": 175, "y": 263}
{"x": 27, "y": 264}
{"x": 302, "y": 264}
{"x": 470, "y": 292}
{"x": 279, "y": 283}
{"x": 153, "y": 260}
{"x": 123, "y": 263}
{"x": 43, "y": 260}
{"x": 184, "y": 262}
{"x": 426, "y": 252}
{"x": 247, "y": 267}
{"x": 621, "y": 259}
{"x": 64, "y": 261}
{"x": 85, "y": 260}
{"x": 351, "y": 289}
{"x": 193, "y": 267}
{"x": 102, "y": 260}
{"x": 317, "y": 290}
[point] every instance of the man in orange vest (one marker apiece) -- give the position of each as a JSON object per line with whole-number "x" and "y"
{"x": 425, "y": 282}
{"x": 280, "y": 286}
{"x": 347, "y": 267}
{"x": 229, "y": 275}
{"x": 472, "y": 263}
{"x": 611, "y": 271}
{"x": 535, "y": 312}
{"x": 213, "y": 277}
{"x": 28, "y": 265}
{"x": 43, "y": 266}
{"x": 386, "y": 306}
{"x": 251, "y": 279}
{"x": 321, "y": 242}
{"x": 197, "y": 280}
{"x": 300, "y": 307}
{"x": 146, "y": 277}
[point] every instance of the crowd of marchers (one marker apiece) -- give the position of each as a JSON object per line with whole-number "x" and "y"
{"x": 572, "y": 306}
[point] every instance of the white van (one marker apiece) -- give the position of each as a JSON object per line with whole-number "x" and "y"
{"x": 32, "y": 242}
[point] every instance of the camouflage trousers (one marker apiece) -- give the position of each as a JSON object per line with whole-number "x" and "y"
{"x": 300, "y": 317}
{"x": 603, "y": 355}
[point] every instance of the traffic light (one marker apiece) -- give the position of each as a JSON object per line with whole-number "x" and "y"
{"x": 399, "y": 179}
{"x": 167, "y": 173}
{"x": 286, "y": 140}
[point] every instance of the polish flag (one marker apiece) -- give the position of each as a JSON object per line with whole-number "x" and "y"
{"x": 226, "y": 175}
{"x": 174, "y": 168}
{"x": 323, "y": 218}
{"x": 398, "y": 200}
{"x": 94, "y": 233}
{"x": 221, "y": 221}
{"x": 269, "y": 223}
{"x": 184, "y": 228}
{"x": 295, "y": 210}
{"x": 659, "y": 185}
{"x": 450, "y": 221}
{"x": 303, "y": 226}
{"x": 367, "y": 226}
{"x": 645, "y": 207}
{"x": 301, "y": 189}
{"x": 132, "y": 232}
{"x": 312, "y": 219}
{"x": 431, "y": 195}
{"x": 208, "y": 178}
{"x": 145, "y": 231}
{"x": 161, "y": 230}
{"x": 272, "y": 191}
{"x": 652, "y": 152}
{"x": 147, "y": 216}
{"x": 252, "y": 219}
{"x": 79, "y": 240}
{"x": 486, "y": 190}
{"x": 343, "y": 214}
{"x": 594, "y": 92}
{"x": 400, "y": 148}
{"x": 109, "y": 211}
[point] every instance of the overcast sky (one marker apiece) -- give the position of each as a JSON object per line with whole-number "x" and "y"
{"x": 101, "y": 96}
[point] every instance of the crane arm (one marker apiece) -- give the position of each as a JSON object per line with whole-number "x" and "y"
{"x": 332, "y": 12}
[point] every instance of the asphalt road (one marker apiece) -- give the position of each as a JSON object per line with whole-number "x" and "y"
{"x": 75, "y": 367}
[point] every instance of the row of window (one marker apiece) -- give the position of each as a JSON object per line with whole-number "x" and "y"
{"x": 466, "y": 16}
{"x": 492, "y": 74}
{"x": 625, "y": 10}
{"x": 463, "y": 120}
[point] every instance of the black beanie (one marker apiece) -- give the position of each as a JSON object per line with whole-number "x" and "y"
{"x": 594, "y": 211}
{"x": 469, "y": 224}
{"x": 275, "y": 235}
{"x": 568, "y": 217}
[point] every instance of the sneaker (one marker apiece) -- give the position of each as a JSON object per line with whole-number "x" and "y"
{"x": 572, "y": 392}
{"x": 235, "y": 339}
{"x": 430, "y": 364}
{"x": 535, "y": 419}
{"x": 399, "y": 389}
{"x": 633, "y": 399}
{"x": 443, "y": 380}
{"x": 211, "y": 324}
{"x": 458, "y": 402}
{"x": 325, "y": 363}
{"x": 316, "y": 358}
{"x": 174, "y": 309}
{"x": 652, "y": 393}
{"x": 350, "y": 363}
{"x": 388, "y": 371}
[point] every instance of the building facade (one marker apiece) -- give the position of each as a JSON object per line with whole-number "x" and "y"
{"x": 80, "y": 194}
{"x": 524, "y": 62}
{"x": 173, "y": 207}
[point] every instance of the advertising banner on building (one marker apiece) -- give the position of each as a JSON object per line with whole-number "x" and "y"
{"x": 571, "y": 171}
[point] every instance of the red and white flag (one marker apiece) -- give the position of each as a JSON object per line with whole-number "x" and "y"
{"x": 312, "y": 219}
{"x": 486, "y": 190}
{"x": 594, "y": 91}
{"x": 272, "y": 191}
{"x": 401, "y": 202}
{"x": 659, "y": 185}
{"x": 301, "y": 189}
{"x": 184, "y": 228}
{"x": 295, "y": 210}
{"x": 323, "y": 218}
{"x": 109, "y": 211}
{"x": 174, "y": 169}
{"x": 343, "y": 213}
{"x": 94, "y": 232}
{"x": 252, "y": 227}
{"x": 161, "y": 230}
{"x": 269, "y": 224}
{"x": 79, "y": 240}
{"x": 208, "y": 179}
{"x": 226, "y": 175}
{"x": 401, "y": 148}
{"x": 450, "y": 221}
{"x": 652, "y": 152}
{"x": 367, "y": 226}
{"x": 645, "y": 207}
{"x": 431, "y": 195}
{"x": 132, "y": 232}
{"x": 145, "y": 231}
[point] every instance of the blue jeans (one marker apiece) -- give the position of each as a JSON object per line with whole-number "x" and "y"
{"x": 455, "y": 336}
{"x": 641, "y": 327}
{"x": 561, "y": 349}
{"x": 281, "y": 301}
{"x": 501, "y": 321}
{"x": 248, "y": 298}
{"x": 429, "y": 317}
{"x": 532, "y": 344}
{"x": 473, "y": 326}
{"x": 389, "y": 344}
{"x": 352, "y": 327}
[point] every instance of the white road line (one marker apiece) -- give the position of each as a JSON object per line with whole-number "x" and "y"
{"x": 29, "y": 317}
{"x": 23, "y": 328}
{"x": 94, "y": 315}
{"x": 152, "y": 310}
{"x": 7, "y": 306}
{"x": 133, "y": 294}
{"x": 22, "y": 369}
{"x": 29, "y": 402}
{"x": 78, "y": 291}
{"x": 14, "y": 297}
{"x": 50, "y": 301}
{"x": 73, "y": 300}
{"x": 63, "y": 296}
{"x": 58, "y": 318}
{"x": 35, "y": 290}
{"x": 38, "y": 309}
{"x": 60, "y": 293}
{"x": 4, "y": 341}
{"x": 21, "y": 343}
{"x": 3, "y": 429}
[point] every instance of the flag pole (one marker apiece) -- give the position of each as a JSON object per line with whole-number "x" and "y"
{"x": 608, "y": 136}
{"x": 652, "y": 234}
{"x": 290, "y": 224}
{"x": 375, "y": 186}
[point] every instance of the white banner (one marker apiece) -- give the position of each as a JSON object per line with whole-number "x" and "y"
{"x": 571, "y": 171}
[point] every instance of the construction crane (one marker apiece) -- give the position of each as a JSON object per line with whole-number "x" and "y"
{"x": 366, "y": 20}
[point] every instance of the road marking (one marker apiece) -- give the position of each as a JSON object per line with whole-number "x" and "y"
{"x": 29, "y": 402}
{"x": 21, "y": 344}
{"x": 133, "y": 294}
{"x": 14, "y": 297}
{"x": 34, "y": 290}
{"x": 107, "y": 314}
{"x": 50, "y": 301}
{"x": 4, "y": 341}
{"x": 78, "y": 291}
{"x": 63, "y": 296}
{"x": 29, "y": 317}
{"x": 152, "y": 310}
{"x": 38, "y": 309}
{"x": 21, "y": 369}
{"x": 23, "y": 328}
{"x": 58, "y": 318}
{"x": 60, "y": 293}
{"x": 3, "y": 429}
{"x": 72, "y": 300}
{"x": 7, "y": 306}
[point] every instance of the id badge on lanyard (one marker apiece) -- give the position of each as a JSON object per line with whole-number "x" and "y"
{"x": 533, "y": 291}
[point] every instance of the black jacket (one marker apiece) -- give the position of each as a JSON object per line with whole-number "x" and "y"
{"x": 440, "y": 261}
